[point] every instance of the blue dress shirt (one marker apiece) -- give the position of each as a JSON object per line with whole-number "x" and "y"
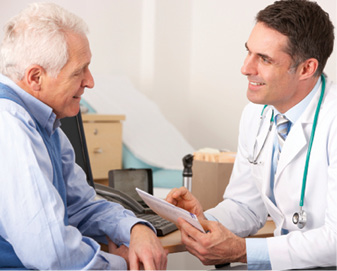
{"x": 31, "y": 209}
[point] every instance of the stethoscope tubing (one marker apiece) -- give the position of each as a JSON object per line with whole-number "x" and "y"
{"x": 305, "y": 173}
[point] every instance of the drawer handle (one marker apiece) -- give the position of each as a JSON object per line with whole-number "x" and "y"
{"x": 98, "y": 150}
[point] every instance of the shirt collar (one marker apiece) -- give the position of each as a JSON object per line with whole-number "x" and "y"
{"x": 294, "y": 113}
{"x": 43, "y": 113}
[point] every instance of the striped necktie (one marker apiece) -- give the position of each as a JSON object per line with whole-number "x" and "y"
{"x": 283, "y": 127}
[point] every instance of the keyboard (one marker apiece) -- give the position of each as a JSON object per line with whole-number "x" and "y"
{"x": 162, "y": 225}
{"x": 140, "y": 209}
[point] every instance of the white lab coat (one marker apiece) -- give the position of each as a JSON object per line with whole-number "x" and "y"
{"x": 246, "y": 200}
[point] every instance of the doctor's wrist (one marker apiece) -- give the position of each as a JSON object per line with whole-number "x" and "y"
{"x": 241, "y": 250}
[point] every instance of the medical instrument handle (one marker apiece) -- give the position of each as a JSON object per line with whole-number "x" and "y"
{"x": 311, "y": 141}
{"x": 187, "y": 173}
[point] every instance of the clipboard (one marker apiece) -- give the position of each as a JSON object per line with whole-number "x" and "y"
{"x": 169, "y": 211}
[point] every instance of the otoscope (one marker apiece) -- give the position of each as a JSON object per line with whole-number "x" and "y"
{"x": 187, "y": 173}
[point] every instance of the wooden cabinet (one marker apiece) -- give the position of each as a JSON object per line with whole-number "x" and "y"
{"x": 104, "y": 141}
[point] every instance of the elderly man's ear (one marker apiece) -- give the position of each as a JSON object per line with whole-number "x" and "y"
{"x": 33, "y": 77}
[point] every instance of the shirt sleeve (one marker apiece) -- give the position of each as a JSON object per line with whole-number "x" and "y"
{"x": 257, "y": 254}
{"x": 93, "y": 217}
{"x": 32, "y": 211}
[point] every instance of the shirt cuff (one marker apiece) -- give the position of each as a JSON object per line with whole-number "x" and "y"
{"x": 257, "y": 254}
{"x": 210, "y": 217}
{"x": 109, "y": 261}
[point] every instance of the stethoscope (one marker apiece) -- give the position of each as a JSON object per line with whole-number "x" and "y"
{"x": 299, "y": 218}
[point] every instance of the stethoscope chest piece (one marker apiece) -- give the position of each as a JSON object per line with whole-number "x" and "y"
{"x": 300, "y": 219}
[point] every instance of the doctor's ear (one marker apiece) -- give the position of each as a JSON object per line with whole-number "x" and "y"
{"x": 308, "y": 68}
{"x": 33, "y": 77}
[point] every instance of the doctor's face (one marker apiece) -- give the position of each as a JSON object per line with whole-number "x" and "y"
{"x": 271, "y": 80}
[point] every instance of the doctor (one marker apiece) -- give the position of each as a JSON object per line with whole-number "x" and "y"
{"x": 286, "y": 54}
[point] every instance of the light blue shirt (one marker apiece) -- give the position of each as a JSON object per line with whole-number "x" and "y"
{"x": 32, "y": 211}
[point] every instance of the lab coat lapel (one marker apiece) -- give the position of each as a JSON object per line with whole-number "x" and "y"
{"x": 274, "y": 212}
{"x": 266, "y": 172}
{"x": 262, "y": 171}
{"x": 298, "y": 137}
{"x": 294, "y": 143}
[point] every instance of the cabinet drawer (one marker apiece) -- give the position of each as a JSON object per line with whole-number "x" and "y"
{"x": 104, "y": 141}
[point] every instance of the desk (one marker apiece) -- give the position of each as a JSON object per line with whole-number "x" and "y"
{"x": 172, "y": 241}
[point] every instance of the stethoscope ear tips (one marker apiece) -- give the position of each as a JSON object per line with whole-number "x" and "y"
{"x": 300, "y": 219}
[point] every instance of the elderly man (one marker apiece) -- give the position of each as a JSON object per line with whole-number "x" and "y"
{"x": 49, "y": 218}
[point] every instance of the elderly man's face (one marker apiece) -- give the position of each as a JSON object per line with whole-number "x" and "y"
{"x": 63, "y": 93}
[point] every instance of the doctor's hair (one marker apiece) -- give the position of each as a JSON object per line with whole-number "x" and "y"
{"x": 308, "y": 27}
{"x": 38, "y": 36}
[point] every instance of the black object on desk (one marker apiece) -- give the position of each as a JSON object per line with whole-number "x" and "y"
{"x": 126, "y": 181}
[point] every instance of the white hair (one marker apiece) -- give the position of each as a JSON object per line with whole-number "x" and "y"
{"x": 37, "y": 36}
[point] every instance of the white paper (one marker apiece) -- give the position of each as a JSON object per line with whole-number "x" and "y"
{"x": 169, "y": 211}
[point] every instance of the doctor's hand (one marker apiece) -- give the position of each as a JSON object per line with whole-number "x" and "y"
{"x": 218, "y": 246}
{"x": 145, "y": 250}
{"x": 184, "y": 199}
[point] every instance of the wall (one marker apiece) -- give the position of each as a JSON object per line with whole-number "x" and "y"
{"x": 184, "y": 55}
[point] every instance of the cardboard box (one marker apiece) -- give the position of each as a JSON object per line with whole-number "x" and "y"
{"x": 210, "y": 178}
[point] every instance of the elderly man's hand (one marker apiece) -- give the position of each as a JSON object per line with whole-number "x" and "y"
{"x": 145, "y": 250}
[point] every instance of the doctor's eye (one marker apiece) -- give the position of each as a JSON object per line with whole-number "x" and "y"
{"x": 266, "y": 60}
